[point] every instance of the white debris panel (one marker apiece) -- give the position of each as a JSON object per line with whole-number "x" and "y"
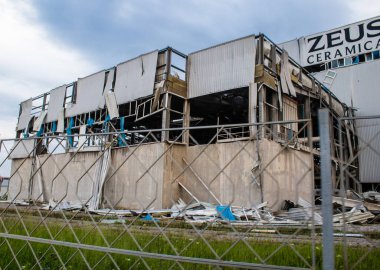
{"x": 39, "y": 121}
{"x": 89, "y": 95}
{"x": 111, "y": 103}
{"x": 135, "y": 78}
{"x": 227, "y": 66}
{"x": 26, "y": 109}
{"x": 109, "y": 80}
{"x": 56, "y": 102}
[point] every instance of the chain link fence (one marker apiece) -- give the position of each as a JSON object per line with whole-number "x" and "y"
{"x": 238, "y": 196}
{"x": 356, "y": 201}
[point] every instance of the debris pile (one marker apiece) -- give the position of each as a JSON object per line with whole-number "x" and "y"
{"x": 302, "y": 212}
{"x": 356, "y": 208}
{"x": 352, "y": 208}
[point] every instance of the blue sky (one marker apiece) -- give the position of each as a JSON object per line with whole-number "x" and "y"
{"x": 46, "y": 43}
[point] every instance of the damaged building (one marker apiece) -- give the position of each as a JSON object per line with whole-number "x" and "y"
{"x": 208, "y": 126}
{"x": 347, "y": 60}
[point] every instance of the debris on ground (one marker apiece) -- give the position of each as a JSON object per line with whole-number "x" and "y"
{"x": 353, "y": 208}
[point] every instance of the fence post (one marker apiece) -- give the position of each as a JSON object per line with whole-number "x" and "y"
{"x": 327, "y": 228}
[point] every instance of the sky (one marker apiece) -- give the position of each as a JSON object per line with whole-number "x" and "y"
{"x": 45, "y": 43}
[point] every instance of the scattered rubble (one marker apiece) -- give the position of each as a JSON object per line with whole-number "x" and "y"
{"x": 354, "y": 208}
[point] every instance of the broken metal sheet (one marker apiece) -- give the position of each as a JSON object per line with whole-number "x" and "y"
{"x": 284, "y": 86}
{"x": 110, "y": 79}
{"x": 253, "y": 107}
{"x": 159, "y": 89}
{"x": 61, "y": 121}
{"x": 352, "y": 216}
{"x": 24, "y": 119}
{"x": 22, "y": 149}
{"x": 372, "y": 195}
{"x": 347, "y": 202}
{"x": 110, "y": 212}
{"x": 253, "y": 94}
{"x": 279, "y": 97}
{"x": 64, "y": 205}
{"x": 223, "y": 67}
{"x": 285, "y": 69}
{"x": 352, "y": 203}
{"x": 82, "y": 139}
{"x": 100, "y": 177}
{"x": 39, "y": 121}
{"x": 135, "y": 78}
{"x": 56, "y": 103}
{"x": 89, "y": 95}
{"x": 111, "y": 104}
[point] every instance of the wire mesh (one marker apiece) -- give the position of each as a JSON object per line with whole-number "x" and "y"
{"x": 242, "y": 203}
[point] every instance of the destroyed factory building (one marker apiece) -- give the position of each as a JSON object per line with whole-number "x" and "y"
{"x": 182, "y": 118}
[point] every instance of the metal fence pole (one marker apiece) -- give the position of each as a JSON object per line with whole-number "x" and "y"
{"x": 327, "y": 228}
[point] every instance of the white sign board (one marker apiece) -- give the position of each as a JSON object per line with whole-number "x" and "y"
{"x": 353, "y": 39}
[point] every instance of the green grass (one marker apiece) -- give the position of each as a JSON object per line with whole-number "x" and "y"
{"x": 181, "y": 237}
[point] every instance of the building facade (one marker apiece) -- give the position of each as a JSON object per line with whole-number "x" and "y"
{"x": 347, "y": 61}
{"x": 170, "y": 96}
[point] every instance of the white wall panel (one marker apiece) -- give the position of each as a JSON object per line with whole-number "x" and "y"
{"x": 223, "y": 67}
{"x": 89, "y": 95}
{"x": 293, "y": 49}
{"x": 368, "y": 131}
{"x": 56, "y": 102}
{"x": 360, "y": 84}
{"x": 135, "y": 78}
{"x": 24, "y": 118}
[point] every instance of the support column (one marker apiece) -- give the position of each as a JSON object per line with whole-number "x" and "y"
{"x": 327, "y": 211}
{"x": 186, "y": 121}
{"x": 166, "y": 118}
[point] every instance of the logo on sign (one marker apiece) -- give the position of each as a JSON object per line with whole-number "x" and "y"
{"x": 342, "y": 42}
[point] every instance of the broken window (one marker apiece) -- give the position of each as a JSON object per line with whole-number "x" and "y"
{"x": 348, "y": 61}
{"x": 341, "y": 63}
{"x": 376, "y": 54}
{"x": 368, "y": 57}
{"x": 70, "y": 95}
{"x": 334, "y": 63}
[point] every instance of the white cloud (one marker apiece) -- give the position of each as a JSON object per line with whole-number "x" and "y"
{"x": 362, "y": 9}
{"x": 31, "y": 62}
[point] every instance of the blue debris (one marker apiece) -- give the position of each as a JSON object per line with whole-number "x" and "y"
{"x": 148, "y": 217}
{"x": 68, "y": 132}
{"x": 90, "y": 122}
{"x": 41, "y": 131}
{"x": 122, "y": 137}
{"x": 225, "y": 212}
{"x": 26, "y": 134}
{"x": 54, "y": 126}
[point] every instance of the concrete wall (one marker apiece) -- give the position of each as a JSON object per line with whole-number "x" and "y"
{"x": 287, "y": 175}
{"x": 71, "y": 184}
{"x": 137, "y": 183}
{"x": 227, "y": 171}
{"x": 149, "y": 176}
